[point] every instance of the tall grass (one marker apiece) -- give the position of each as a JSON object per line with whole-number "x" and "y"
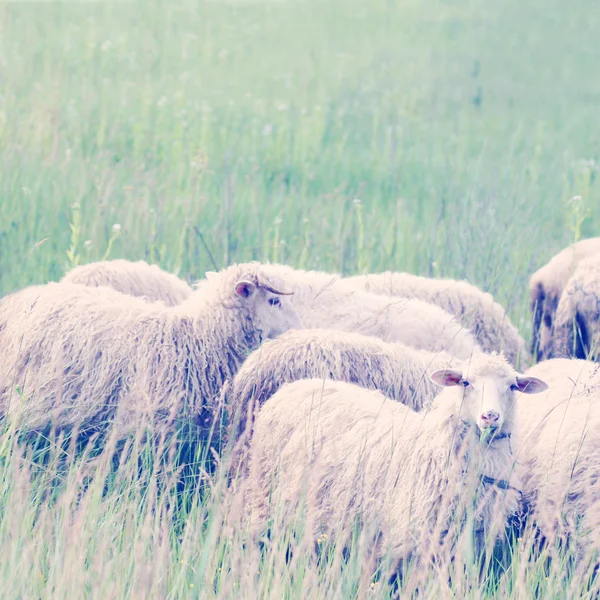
{"x": 441, "y": 137}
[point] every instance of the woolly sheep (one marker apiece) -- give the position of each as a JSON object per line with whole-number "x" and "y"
{"x": 325, "y": 300}
{"x": 474, "y": 308}
{"x": 557, "y": 444}
{"x": 398, "y": 371}
{"x": 353, "y": 455}
{"x": 577, "y": 325}
{"x": 87, "y": 357}
{"x": 133, "y": 278}
{"x": 546, "y": 286}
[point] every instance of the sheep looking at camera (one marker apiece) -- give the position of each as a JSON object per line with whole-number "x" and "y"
{"x": 326, "y": 300}
{"x": 577, "y": 325}
{"x": 475, "y": 309}
{"x": 89, "y": 358}
{"x": 546, "y": 287}
{"x": 557, "y": 444}
{"x": 132, "y": 278}
{"x": 409, "y": 479}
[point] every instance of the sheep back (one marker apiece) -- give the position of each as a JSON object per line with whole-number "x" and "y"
{"x": 576, "y": 331}
{"x": 132, "y": 278}
{"x": 475, "y": 309}
{"x": 397, "y": 371}
{"x": 546, "y": 286}
{"x": 557, "y": 442}
{"x": 325, "y": 300}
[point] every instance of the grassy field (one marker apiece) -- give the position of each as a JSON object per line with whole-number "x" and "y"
{"x": 449, "y": 138}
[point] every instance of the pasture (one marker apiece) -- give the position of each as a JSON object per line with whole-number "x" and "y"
{"x": 449, "y": 138}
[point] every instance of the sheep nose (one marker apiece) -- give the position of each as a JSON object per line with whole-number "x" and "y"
{"x": 490, "y": 418}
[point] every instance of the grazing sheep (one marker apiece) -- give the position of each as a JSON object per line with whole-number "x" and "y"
{"x": 398, "y": 371}
{"x": 557, "y": 444}
{"x": 475, "y": 309}
{"x": 74, "y": 356}
{"x": 546, "y": 286}
{"x": 577, "y": 325}
{"x": 408, "y": 479}
{"x": 325, "y": 300}
{"x": 133, "y": 278}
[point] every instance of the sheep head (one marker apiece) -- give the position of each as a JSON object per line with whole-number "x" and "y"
{"x": 273, "y": 312}
{"x": 485, "y": 391}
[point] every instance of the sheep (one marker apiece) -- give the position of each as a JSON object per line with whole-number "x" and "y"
{"x": 545, "y": 290}
{"x": 557, "y": 445}
{"x": 576, "y": 330}
{"x": 475, "y": 309}
{"x": 325, "y": 300}
{"x": 79, "y": 358}
{"x": 398, "y": 371}
{"x": 133, "y": 278}
{"x": 349, "y": 455}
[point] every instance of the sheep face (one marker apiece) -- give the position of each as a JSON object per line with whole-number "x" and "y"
{"x": 273, "y": 312}
{"x": 487, "y": 398}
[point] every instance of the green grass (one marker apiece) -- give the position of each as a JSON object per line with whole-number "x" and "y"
{"x": 464, "y": 128}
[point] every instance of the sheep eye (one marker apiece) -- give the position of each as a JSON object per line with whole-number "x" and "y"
{"x": 514, "y": 387}
{"x": 274, "y": 301}
{"x": 465, "y": 382}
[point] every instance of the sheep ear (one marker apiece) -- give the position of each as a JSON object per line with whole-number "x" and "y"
{"x": 245, "y": 289}
{"x": 531, "y": 385}
{"x": 447, "y": 377}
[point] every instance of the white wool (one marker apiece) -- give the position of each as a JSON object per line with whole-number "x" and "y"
{"x": 576, "y": 331}
{"x": 73, "y": 356}
{"x": 474, "y": 309}
{"x": 546, "y": 287}
{"x": 326, "y": 300}
{"x": 557, "y": 444}
{"x": 133, "y": 278}
{"x": 398, "y": 371}
{"x": 353, "y": 455}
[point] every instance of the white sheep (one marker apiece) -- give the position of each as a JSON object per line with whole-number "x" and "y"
{"x": 74, "y": 356}
{"x": 557, "y": 445}
{"x": 545, "y": 289}
{"x": 398, "y": 371}
{"x": 326, "y": 300}
{"x": 350, "y": 456}
{"x": 576, "y": 331}
{"x": 133, "y": 278}
{"x": 472, "y": 307}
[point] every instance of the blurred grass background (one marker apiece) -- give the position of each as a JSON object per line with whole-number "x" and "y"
{"x": 463, "y": 127}
{"x": 446, "y": 137}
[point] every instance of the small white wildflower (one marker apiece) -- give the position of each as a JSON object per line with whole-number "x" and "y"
{"x": 26, "y": 191}
{"x": 356, "y": 201}
{"x": 267, "y": 129}
{"x": 278, "y": 221}
{"x": 281, "y": 106}
{"x": 116, "y": 227}
{"x": 162, "y": 101}
{"x": 87, "y": 243}
{"x": 305, "y": 221}
{"x": 106, "y": 45}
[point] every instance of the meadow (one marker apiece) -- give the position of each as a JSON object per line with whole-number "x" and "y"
{"x": 452, "y": 138}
